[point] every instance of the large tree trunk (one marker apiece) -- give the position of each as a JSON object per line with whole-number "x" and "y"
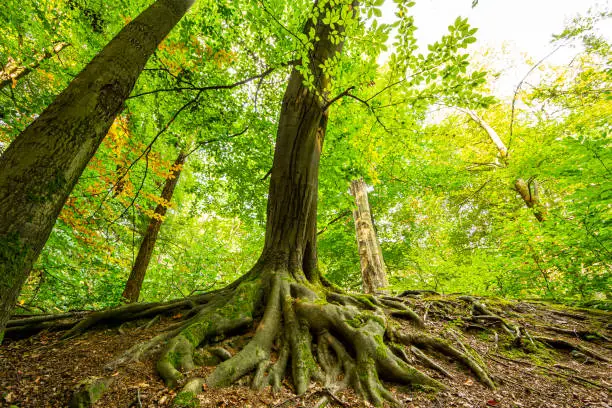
{"x": 284, "y": 292}
{"x": 134, "y": 282}
{"x": 373, "y": 271}
{"x": 12, "y": 72}
{"x": 40, "y": 168}
{"x": 291, "y": 233}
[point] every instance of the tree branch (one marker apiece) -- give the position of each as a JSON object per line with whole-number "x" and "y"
{"x": 263, "y": 6}
{"x": 520, "y": 84}
{"x": 339, "y": 96}
{"x": 365, "y": 102}
{"x": 335, "y": 220}
{"x": 146, "y": 151}
{"x": 214, "y": 87}
{"x": 205, "y": 142}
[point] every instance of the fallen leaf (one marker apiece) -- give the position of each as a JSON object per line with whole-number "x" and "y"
{"x": 493, "y": 403}
{"x": 469, "y": 381}
{"x": 9, "y": 397}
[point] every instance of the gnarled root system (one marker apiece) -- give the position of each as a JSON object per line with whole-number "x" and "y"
{"x": 304, "y": 331}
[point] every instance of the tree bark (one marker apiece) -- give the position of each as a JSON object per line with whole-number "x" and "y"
{"x": 11, "y": 73}
{"x": 134, "y": 282}
{"x": 373, "y": 270}
{"x": 40, "y": 168}
{"x": 291, "y": 234}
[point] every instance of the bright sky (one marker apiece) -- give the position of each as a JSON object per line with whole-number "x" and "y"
{"x": 516, "y": 26}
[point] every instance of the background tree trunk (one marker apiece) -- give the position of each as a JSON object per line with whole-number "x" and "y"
{"x": 40, "y": 168}
{"x": 373, "y": 270}
{"x": 134, "y": 282}
{"x": 528, "y": 191}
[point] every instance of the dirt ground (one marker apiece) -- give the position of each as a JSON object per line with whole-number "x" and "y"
{"x": 42, "y": 370}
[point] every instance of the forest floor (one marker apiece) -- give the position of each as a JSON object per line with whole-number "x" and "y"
{"x": 43, "y": 370}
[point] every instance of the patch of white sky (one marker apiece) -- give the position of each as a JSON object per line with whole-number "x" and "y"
{"x": 512, "y": 35}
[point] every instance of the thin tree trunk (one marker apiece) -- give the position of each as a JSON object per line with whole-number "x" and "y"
{"x": 134, "y": 282}
{"x": 529, "y": 192}
{"x": 40, "y": 168}
{"x": 373, "y": 270}
{"x": 11, "y": 73}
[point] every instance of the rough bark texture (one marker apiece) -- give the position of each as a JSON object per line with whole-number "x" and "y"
{"x": 134, "y": 282}
{"x": 40, "y": 168}
{"x": 291, "y": 234}
{"x": 373, "y": 270}
{"x": 12, "y": 72}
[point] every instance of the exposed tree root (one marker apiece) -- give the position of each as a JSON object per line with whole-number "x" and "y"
{"x": 429, "y": 362}
{"x": 28, "y": 321}
{"x": 587, "y": 335}
{"x": 315, "y": 333}
{"x": 303, "y": 331}
{"x": 571, "y": 377}
{"x": 566, "y": 345}
{"x": 443, "y": 347}
{"x": 418, "y": 293}
{"x": 482, "y": 313}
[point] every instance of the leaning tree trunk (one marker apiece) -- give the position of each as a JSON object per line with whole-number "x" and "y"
{"x": 40, "y": 168}
{"x": 11, "y": 73}
{"x": 528, "y": 192}
{"x": 373, "y": 271}
{"x": 134, "y": 282}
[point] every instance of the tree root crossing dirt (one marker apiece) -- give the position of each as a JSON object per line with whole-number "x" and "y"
{"x": 317, "y": 333}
